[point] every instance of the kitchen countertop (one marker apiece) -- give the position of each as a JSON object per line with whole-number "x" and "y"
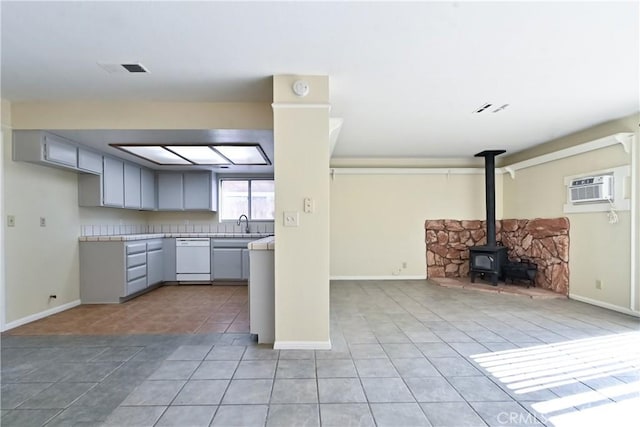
{"x": 129, "y": 237}
{"x": 266, "y": 244}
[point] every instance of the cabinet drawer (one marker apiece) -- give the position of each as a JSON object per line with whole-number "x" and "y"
{"x": 137, "y": 272}
{"x": 135, "y": 248}
{"x": 154, "y": 246}
{"x": 136, "y": 285}
{"x": 136, "y": 260}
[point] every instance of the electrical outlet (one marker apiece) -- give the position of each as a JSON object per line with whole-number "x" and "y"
{"x": 598, "y": 284}
{"x": 43, "y": 221}
{"x": 11, "y": 221}
{"x": 291, "y": 219}
{"x": 404, "y": 264}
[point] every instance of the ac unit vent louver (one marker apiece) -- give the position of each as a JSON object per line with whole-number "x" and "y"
{"x": 591, "y": 189}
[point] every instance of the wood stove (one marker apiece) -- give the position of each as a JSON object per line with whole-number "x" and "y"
{"x": 489, "y": 260}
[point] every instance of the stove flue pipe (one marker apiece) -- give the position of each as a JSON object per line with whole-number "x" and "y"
{"x": 490, "y": 191}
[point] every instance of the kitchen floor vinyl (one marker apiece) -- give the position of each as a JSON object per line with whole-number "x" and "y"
{"x": 404, "y": 353}
{"x": 178, "y": 309}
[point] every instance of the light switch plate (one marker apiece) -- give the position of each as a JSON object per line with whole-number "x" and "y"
{"x": 11, "y": 221}
{"x": 43, "y": 221}
{"x": 308, "y": 205}
{"x": 291, "y": 219}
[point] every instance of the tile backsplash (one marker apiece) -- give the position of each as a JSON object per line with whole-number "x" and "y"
{"x": 122, "y": 229}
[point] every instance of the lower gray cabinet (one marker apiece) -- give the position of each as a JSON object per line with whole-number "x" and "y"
{"x": 110, "y": 272}
{"x": 155, "y": 262}
{"x": 227, "y": 263}
{"x": 245, "y": 264}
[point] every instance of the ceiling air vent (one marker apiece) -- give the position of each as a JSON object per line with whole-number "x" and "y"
{"x": 486, "y": 106}
{"x": 115, "y": 68}
{"x": 134, "y": 68}
{"x": 483, "y": 107}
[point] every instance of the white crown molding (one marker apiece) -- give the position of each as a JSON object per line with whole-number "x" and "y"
{"x": 407, "y": 171}
{"x": 623, "y": 138}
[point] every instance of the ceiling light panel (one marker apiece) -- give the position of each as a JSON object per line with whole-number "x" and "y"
{"x": 155, "y": 154}
{"x": 243, "y": 154}
{"x": 199, "y": 154}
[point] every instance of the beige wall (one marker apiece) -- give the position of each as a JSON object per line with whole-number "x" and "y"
{"x": 141, "y": 115}
{"x": 598, "y": 250}
{"x": 39, "y": 261}
{"x": 377, "y": 221}
{"x": 301, "y": 135}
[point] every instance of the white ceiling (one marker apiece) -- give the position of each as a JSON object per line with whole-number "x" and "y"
{"x": 405, "y": 77}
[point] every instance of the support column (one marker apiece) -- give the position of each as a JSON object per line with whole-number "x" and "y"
{"x": 301, "y": 172}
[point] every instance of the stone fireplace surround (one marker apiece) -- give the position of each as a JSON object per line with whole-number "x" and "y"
{"x": 545, "y": 241}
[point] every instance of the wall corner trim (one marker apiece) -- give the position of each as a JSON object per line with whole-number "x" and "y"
{"x": 603, "y": 304}
{"x": 40, "y": 315}
{"x": 302, "y": 345}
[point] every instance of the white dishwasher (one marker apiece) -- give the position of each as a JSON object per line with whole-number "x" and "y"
{"x": 193, "y": 259}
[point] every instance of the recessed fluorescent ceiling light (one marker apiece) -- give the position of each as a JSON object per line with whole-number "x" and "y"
{"x": 200, "y": 154}
{"x": 242, "y": 154}
{"x": 155, "y": 154}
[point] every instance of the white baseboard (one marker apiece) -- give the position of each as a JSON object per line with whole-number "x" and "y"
{"x": 417, "y": 277}
{"x": 302, "y": 345}
{"x": 604, "y": 305}
{"x": 40, "y": 315}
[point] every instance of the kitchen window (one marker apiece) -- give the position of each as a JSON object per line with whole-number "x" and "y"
{"x": 252, "y": 197}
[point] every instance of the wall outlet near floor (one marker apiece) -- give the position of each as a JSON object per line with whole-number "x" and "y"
{"x": 598, "y": 284}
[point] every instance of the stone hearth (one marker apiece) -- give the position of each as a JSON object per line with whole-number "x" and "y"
{"x": 545, "y": 241}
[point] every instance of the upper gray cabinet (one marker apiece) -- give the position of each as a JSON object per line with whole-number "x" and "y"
{"x": 45, "y": 148}
{"x": 187, "y": 191}
{"x": 121, "y": 185}
{"x": 113, "y": 183}
{"x": 170, "y": 191}
{"x": 89, "y": 161}
{"x": 147, "y": 189}
{"x": 132, "y": 187}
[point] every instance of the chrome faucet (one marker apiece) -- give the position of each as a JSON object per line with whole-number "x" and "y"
{"x": 246, "y": 229}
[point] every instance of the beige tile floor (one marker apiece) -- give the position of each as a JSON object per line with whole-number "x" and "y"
{"x": 179, "y": 309}
{"x": 404, "y": 353}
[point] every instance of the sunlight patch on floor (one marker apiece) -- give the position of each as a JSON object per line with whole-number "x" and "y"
{"x": 568, "y": 363}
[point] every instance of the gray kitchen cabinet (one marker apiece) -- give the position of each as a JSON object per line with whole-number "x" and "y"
{"x": 186, "y": 191}
{"x": 169, "y": 256}
{"x": 227, "y": 264}
{"x": 197, "y": 191}
{"x": 44, "y": 148}
{"x": 147, "y": 189}
{"x": 155, "y": 262}
{"x": 121, "y": 185}
{"x": 111, "y": 272}
{"x": 89, "y": 161}
{"x": 132, "y": 194}
{"x": 113, "y": 182}
{"x": 245, "y": 264}
{"x": 170, "y": 191}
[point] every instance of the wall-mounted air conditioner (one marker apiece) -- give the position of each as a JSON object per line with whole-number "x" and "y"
{"x": 591, "y": 189}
